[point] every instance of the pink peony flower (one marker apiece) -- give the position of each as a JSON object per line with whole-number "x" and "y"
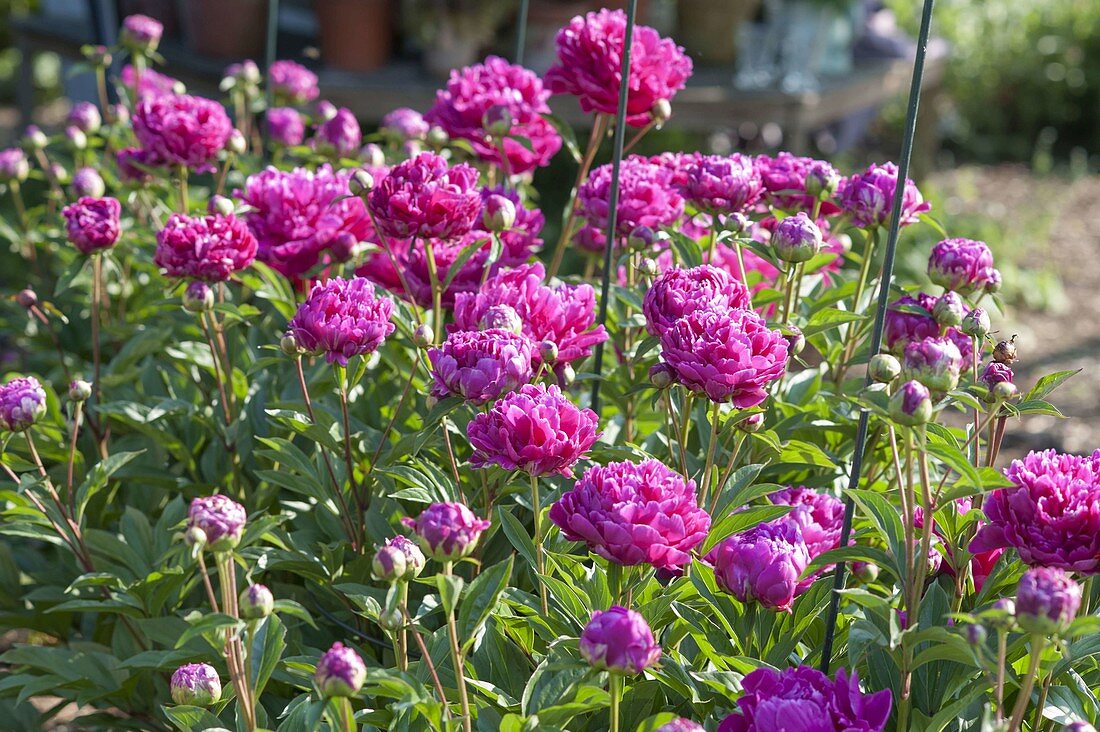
{"x": 909, "y": 320}
{"x": 763, "y": 564}
{"x": 962, "y": 265}
{"x": 471, "y": 92}
{"x": 209, "y": 248}
{"x": 1051, "y": 515}
{"x": 22, "y": 403}
{"x": 723, "y": 183}
{"x": 634, "y": 513}
{"x": 181, "y": 130}
{"x": 646, "y": 198}
{"x": 620, "y": 641}
{"x": 141, "y": 32}
{"x": 340, "y": 134}
{"x": 293, "y": 82}
{"x": 819, "y": 517}
{"x": 589, "y": 66}
{"x": 405, "y": 124}
{"x": 564, "y": 315}
{"x": 729, "y": 355}
{"x": 868, "y": 197}
{"x": 152, "y": 84}
{"x": 536, "y": 430}
{"x": 92, "y": 224}
{"x": 341, "y": 319}
{"x": 786, "y": 178}
{"x": 679, "y": 292}
{"x": 805, "y": 700}
{"x": 297, "y": 215}
{"x": 447, "y": 531}
{"x": 424, "y": 197}
{"x": 479, "y": 366}
{"x": 285, "y": 126}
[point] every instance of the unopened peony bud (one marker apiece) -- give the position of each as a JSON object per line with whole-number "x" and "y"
{"x": 499, "y": 213}
{"x": 548, "y": 352}
{"x": 884, "y": 368}
{"x": 372, "y": 155}
{"x": 27, "y": 298}
{"x": 88, "y": 182}
{"x": 975, "y": 635}
{"x": 660, "y": 375}
{"x": 566, "y": 375}
{"x": 423, "y": 336}
{"x": 822, "y": 179}
{"x": 752, "y": 423}
{"x": 35, "y": 138}
{"x": 934, "y": 362}
{"x": 796, "y": 341}
{"x": 620, "y": 641}
{"x": 738, "y": 223}
{"x": 502, "y": 317}
{"x": 1047, "y": 600}
{"x": 289, "y": 345}
{"x": 388, "y": 564}
{"x": 976, "y": 323}
{"x": 361, "y": 183}
{"x": 256, "y": 602}
{"x": 76, "y": 137}
{"x": 993, "y": 283}
{"x": 1078, "y": 726}
{"x": 796, "y": 239}
{"x": 194, "y": 536}
{"x": 411, "y": 148}
{"x": 865, "y": 572}
{"x": 326, "y": 110}
{"x": 648, "y": 267}
{"x": 97, "y": 55}
{"x": 661, "y": 112}
{"x": 198, "y": 297}
{"x": 236, "y": 143}
{"x": 447, "y": 531}
{"x": 641, "y": 238}
{"x": 14, "y": 165}
{"x": 949, "y": 309}
{"x": 911, "y": 404}
{"x": 1005, "y": 351}
{"x": 59, "y": 173}
{"x": 222, "y": 206}
{"x": 196, "y": 685}
{"x": 438, "y": 137}
{"x": 1004, "y": 391}
{"x": 392, "y": 619}
{"x": 80, "y": 390}
{"x": 221, "y": 518}
{"x": 497, "y": 120}
{"x": 340, "y": 672}
{"x": 1002, "y": 615}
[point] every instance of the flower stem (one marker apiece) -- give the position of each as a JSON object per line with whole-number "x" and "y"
{"x": 715, "y": 418}
{"x": 182, "y": 183}
{"x": 437, "y": 290}
{"x": 615, "y": 581}
{"x": 72, "y": 458}
{"x": 457, "y": 661}
{"x": 349, "y": 460}
{"x": 1038, "y": 641}
{"x": 401, "y": 644}
{"x": 427, "y": 659}
{"x": 599, "y": 129}
{"x": 1002, "y": 659}
{"x": 343, "y": 718}
{"x": 218, "y": 379}
{"x": 850, "y": 336}
{"x": 615, "y": 687}
{"x": 540, "y": 558}
{"x": 97, "y": 296}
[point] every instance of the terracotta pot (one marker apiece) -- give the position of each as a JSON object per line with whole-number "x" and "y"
{"x": 230, "y": 29}
{"x": 356, "y": 35}
{"x": 707, "y": 29}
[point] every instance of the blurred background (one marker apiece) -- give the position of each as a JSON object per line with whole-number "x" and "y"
{"x": 1008, "y": 145}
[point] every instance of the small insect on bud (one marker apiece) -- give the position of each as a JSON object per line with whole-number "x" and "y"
{"x": 80, "y": 390}
{"x": 198, "y": 297}
{"x": 256, "y": 602}
{"x": 975, "y": 634}
{"x": 976, "y": 323}
{"x": 222, "y": 206}
{"x": 236, "y": 143}
{"x": 865, "y": 572}
{"x": 289, "y": 346}
{"x": 949, "y": 309}
{"x": 884, "y": 368}
{"x": 438, "y": 137}
{"x": 497, "y": 120}
{"x": 423, "y": 336}
{"x": 361, "y": 183}
{"x": 499, "y": 213}
{"x": 641, "y": 238}
{"x": 661, "y": 112}
{"x": 1005, "y": 351}
{"x": 566, "y": 375}
{"x": 27, "y": 298}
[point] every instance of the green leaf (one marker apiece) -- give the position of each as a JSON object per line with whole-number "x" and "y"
{"x": 449, "y": 587}
{"x": 568, "y": 136}
{"x": 828, "y": 318}
{"x": 192, "y": 719}
{"x": 208, "y": 624}
{"x": 887, "y": 521}
{"x": 481, "y": 599}
{"x": 1049, "y": 383}
{"x": 517, "y": 535}
{"x": 741, "y": 521}
{"x": 268, "y": 644}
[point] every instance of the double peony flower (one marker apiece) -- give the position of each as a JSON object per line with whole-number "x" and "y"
{"x": 208, "y": 248}
{"x": 341, "y": 319}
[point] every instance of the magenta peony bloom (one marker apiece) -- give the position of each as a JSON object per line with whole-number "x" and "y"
{"x": 293, "y": 82}
{"x": 646, "y": 198}
{"x": 536, "y": 430}
{"x": 620, "y": 641}
{"x": 589, "y": 66}
{"x": 819, "y": 517}
{"x": 22, "y": 403}
{"x": 181, "y": 130}
{"x": 340, "y": 134}
{"x": 285, "y": 126}
{"x": 1052, "y": 514}
{"x": 221, "y": 520}
{"x": 479, "y": 366}
{"x": 634, "y": 513}
{"x": 141, "y": 32}
{"x": 805, "y": 700}
{"x": 934, "y": 362}
{"x": 729, "y": 355}
{"x": 92, "y": 224}
{"x": 788, "y": 178}
{"x": 763, "y": 564}
{"x": 423, "y": 197}
{"x": 152, "y": 83}
{"x": 460, "y": 108}
{"x": 996, "y": 373}
{"x": 564, "y": 315}
{"x": 909, "y": 320}
{"x": 85, "y": 117}
{"x": 680, "y": 724}
{"x": 342, "y": 319}
{"x": 447, "y": 531}
{"x": 14, "y": 165}
{"x": 340, "y": 671}
{"x": 868, "y": 197}
{"x": 132, "y": 162}
{"x": 723, "y": 183}
{"x": 196, "y": 684}
{"x": 962, "y": 265}
{"x": 1047, "y": 600}
{"x": 209, "y": 248}
{"x": 679, "y": 292}
{"x": 405, "y": 124}
{"x": 298, "y": 215}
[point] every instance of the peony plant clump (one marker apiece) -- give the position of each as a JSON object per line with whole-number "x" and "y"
{"x": 298, "y": 428}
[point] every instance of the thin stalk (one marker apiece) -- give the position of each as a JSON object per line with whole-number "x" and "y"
{"x": 715, "y": 418}
{"x": 218, "y": 379}
{"x": 181, "y": 181}
{"x": 999, "y": 686}
{"x": 349, "y": 460}
{"x": 615, "y": 687}
{"x": 343, "y": 718}
{"x": 599, "y": 129}
{"x": 675, "y": 433}
{"x": 401, "y": 639}
{"x": 739, "y": 442}
{"x": 540, "y": 557}
{"x": 852, "y": 331}
{"x": 459, "y": 665}
{"x": 427, "y": 659}
{"x": 638, "y": 136}
{"x": 1038, "y": 642}
{"x": 97, "y": 297}
{"x": 788, "y": 294}
{"x": 437, "y": 289}
{"x": 72, "y": 458}
{"x": 998, "y": 437}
